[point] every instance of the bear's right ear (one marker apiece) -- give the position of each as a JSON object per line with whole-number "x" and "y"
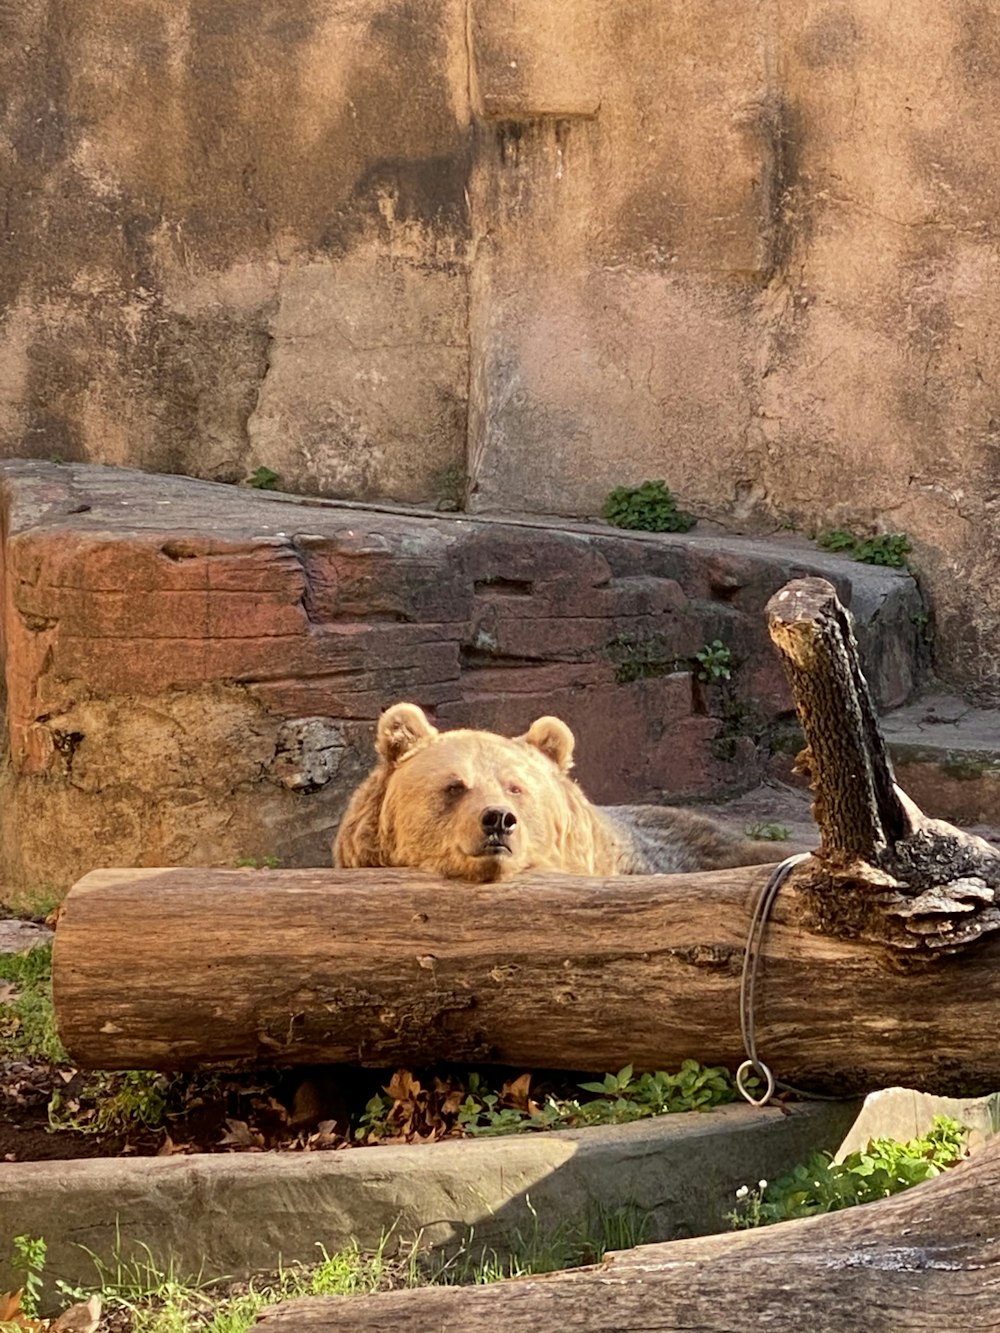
{"x": 400, "y": 728}
{"x": 555, "y": 740}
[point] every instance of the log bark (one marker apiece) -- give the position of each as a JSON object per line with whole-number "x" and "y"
{"x": 884, "y": 871}
{"x": 925, "y": 1259}
{"x": 172, "y": 969}
{"x": 857, "y": 809}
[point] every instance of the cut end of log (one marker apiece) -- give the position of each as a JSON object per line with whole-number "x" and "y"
{"x": 802, "y": 601}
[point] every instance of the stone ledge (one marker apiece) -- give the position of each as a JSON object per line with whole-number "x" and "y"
{"x": 946, "y": 753}
{"x": 235, "y": 1214}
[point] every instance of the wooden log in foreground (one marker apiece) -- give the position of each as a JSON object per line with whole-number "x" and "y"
{"x": 169, "y": 969}
{"x": 926, "y": 1259}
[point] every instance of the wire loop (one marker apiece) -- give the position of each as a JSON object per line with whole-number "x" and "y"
{"x": 748, "y": 981}
{"x": 756, "y": 1067}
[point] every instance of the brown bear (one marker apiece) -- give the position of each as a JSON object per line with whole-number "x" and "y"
{"x": 477, "y": 806}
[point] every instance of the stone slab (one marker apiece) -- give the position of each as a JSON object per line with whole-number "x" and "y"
{"x": 772, "y": 803}
{"x": 946, "y": 753}
{"x": 234, "y": 1215}
{"x": 904, "y": 1113}
{"x": 19, "y": 936}
{"x": 790, "y": 806}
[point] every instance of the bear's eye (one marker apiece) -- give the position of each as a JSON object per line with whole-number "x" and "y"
{"x": 515, "y": 790}
{"x": 455, "y": 789}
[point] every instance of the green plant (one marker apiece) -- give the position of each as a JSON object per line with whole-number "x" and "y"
{"x": 885, "y": 548}
{"x": 115, "y": 1103}
{"x": 27, "y": 1019}
{"x": 650, "y": 508}
{"x": 263, "y": 479}
{"x": 477, "y": 1109}
{"x": 768, "y": 832}
{"x": 128, "y": 1100}
{"x": 821, "y": 1185}
{"x": 258, "y": 862}
{"x": 28, "y": 1260}
{"x": 837, "y": 539}
{"x": 160, "y": 1299}
{"x": 642, "y": 658}
{"x": 163, "y": 1300}
{"x": 889, "y": 548}
{"x": 627, "y": 1096}
{"x": 449, "y": 484}
{"x": 32, "y": 904}
{"x": 715, "y": 662}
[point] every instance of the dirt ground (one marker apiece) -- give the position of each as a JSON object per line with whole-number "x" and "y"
{"x": 291, "y": 1112}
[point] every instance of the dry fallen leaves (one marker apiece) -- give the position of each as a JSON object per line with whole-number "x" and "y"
{"x": 82, "y": 1318}
{"x": 238, "y": 1134}
{"x": 54, "y": 917}
{"x": 421, "y": 1114}
{"x": 12, "y": 1314}
{"x": 10, "y": 1025}
{"x": 326, "y": 1135}
{"x": 168, "y": 1148}
{"x": 515, "y": 1093}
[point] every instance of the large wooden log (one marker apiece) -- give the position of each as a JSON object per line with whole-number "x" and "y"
{"x": 168, "y": 969}
{"x": 926, "y": 1259}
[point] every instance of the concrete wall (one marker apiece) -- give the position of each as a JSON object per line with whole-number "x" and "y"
{"x": 514, "y": 254}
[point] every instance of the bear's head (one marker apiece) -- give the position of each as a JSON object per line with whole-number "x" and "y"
{"x": 467, "y": 804}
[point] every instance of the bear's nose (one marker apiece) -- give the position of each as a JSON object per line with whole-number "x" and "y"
{"x": 497, "y": 819}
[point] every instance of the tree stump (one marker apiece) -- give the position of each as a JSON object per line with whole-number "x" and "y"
{"x": 884, "y": 872}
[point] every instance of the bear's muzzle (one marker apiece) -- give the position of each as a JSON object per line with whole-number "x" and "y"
{"x": 497, "y": 823}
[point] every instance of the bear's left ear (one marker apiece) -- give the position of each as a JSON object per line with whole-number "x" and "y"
{"x": 555, "y": 740}
{"x": 400, "y": 728}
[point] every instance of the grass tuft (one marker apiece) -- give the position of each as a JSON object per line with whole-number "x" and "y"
{"x": 161, "y": 1300}
{"x": 33, "y": 904}
{"x": 27, "y": 1019}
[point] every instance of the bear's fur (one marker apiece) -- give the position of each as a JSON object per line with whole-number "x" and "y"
{"x": 476, "y": 806}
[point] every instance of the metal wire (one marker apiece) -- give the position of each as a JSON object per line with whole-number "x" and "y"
{"x": 748, "y": 981}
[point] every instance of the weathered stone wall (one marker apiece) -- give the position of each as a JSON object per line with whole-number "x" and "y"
{"x": 516, "y": 254}
{"x": 237, "y": 233}
{"x": 192, "y": 672}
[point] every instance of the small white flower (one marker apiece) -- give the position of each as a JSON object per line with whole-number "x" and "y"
{"x": 762, "y": 1184}
{"x": 742, "y": 1192}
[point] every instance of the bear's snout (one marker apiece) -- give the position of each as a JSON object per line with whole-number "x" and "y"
{"x": 497, "y": 821}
